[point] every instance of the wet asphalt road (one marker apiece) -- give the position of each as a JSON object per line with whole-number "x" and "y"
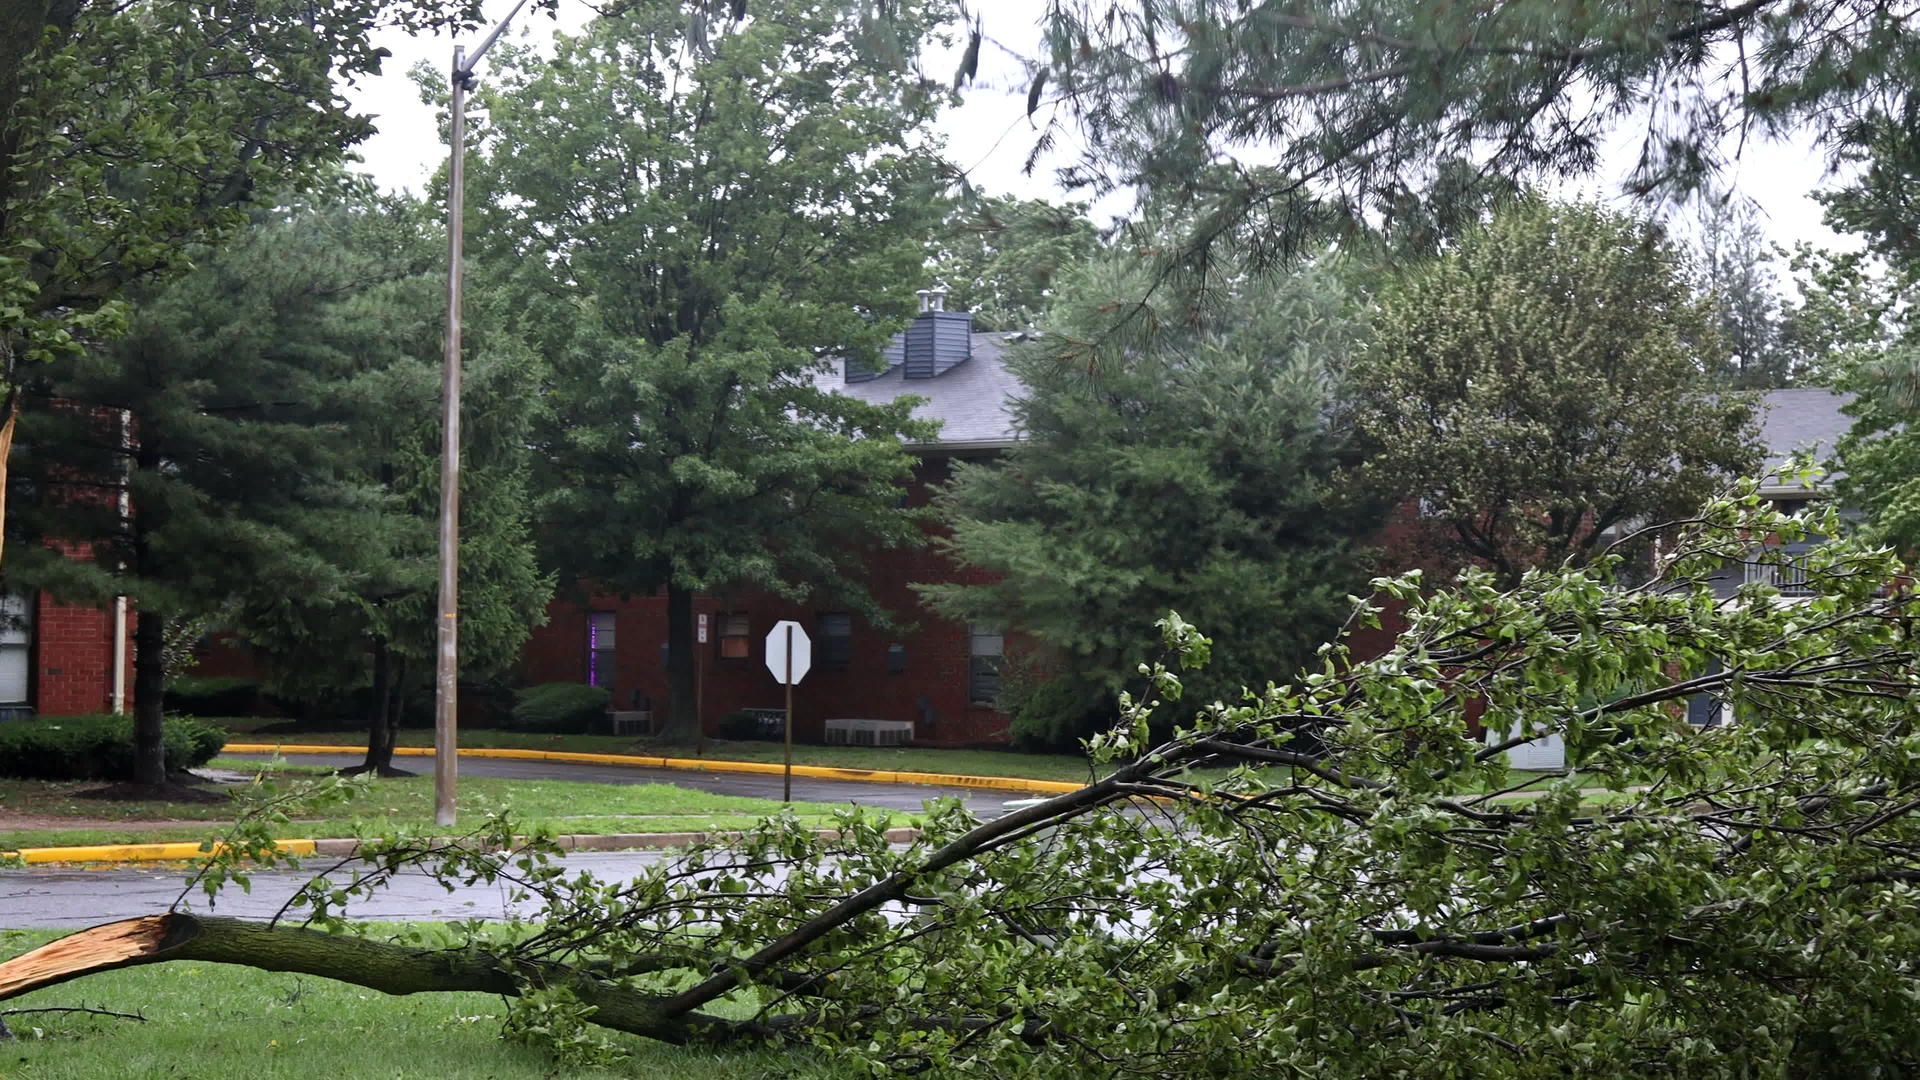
{"x": 68, "y": 898}
{"x": 758, "y": 785}
{"x": 71, "y": 898}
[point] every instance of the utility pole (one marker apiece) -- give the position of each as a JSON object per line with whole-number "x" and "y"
{"x": 446, "y": 673}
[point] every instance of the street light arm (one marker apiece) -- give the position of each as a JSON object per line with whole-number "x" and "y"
{"x": 473, "y": 61}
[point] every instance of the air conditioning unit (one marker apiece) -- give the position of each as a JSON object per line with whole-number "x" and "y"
{"x": 630, "y": 721}
{"x": 869, "y": 732}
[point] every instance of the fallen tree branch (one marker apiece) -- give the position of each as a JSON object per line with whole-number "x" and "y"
{"x": 388, "y": 968}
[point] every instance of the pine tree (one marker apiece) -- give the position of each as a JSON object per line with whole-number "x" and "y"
{"x": 1184, "y": 467}
{"x": 380, "y": 635}
{"x": 194, "y": 464}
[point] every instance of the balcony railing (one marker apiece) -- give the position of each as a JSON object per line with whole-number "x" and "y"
{"x": 1789, "y": 577}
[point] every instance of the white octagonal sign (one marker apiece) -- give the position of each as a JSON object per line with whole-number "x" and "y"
{"x": 777, "y": 652}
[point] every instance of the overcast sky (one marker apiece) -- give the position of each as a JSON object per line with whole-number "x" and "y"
{"x": 989, "y": 135}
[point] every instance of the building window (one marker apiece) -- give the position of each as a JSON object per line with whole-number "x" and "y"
{"x": 600, "y": 649}
{"x": 16, "y": 645}
{"x": 986, "y": 645}
{"x": 834, "y": 631}
{"x": 733, "y": 637}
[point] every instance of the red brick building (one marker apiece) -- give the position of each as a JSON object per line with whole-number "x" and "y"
{"x": 60, "y": 659}
{"x": 937, "y": 673}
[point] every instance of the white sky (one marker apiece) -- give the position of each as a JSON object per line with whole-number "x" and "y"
{"x": 990, "y": 137}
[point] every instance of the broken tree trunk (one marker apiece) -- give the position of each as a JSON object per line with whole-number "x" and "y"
{"x": 377, "y": 965}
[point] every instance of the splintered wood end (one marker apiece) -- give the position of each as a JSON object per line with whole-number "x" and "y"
{"x": 96, "y": 949}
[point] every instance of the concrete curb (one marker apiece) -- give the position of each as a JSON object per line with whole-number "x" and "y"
{"x": 344, "y": 846}
{"x": 820, "y": 772}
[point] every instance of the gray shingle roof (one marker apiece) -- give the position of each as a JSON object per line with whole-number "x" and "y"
{"x": 1809, "y": 418}
{"x": 970, "y": 398}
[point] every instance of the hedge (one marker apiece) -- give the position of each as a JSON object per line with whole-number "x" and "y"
{"x": 559, "y": 708}
{"x": 96, "y": 747}
{"x": 211, "y": 696}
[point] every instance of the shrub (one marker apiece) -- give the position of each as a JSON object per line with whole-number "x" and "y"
{"x": 96, "y": 747}
{"x": 559, "y": 708}
{"x": 223, "y": 696}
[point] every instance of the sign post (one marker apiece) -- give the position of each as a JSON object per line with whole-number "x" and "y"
{"x": 789, "y": 656}
{"x": 699, "y": 689}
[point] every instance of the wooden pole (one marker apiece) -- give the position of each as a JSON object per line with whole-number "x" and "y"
{"x": 699, "y": 702}
{"x": 787, "y": 796}
{"x": 446, "y": 703}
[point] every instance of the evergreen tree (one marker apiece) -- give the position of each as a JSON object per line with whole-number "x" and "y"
{"x": 133, "y": 136}
{"x": 380, "y": 635}
{"x": 1543, "y": 385}
{"x": 693, "y": 214}
{"x": 1186, "y": 465}
{"x": 1356, "y": 105}
{"x": 1737, "y": 274}
{"x": 195, "y": 463}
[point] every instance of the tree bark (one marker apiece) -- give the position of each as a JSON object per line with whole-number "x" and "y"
{"x": 7, "y": 428}
{"x": 383, "y": 721}
{"x": 377, "y": 965}
{"x": 149, "y": 683}
{"x": 682, "y": 723}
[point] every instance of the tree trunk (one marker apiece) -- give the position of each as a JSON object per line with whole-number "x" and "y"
{"x": 682, "y": 723}
{"x": 383, "y": 721}
{"x": 377, "y": 965}
{"x": 7, "y": 428}
{"x": 149, "y": 682}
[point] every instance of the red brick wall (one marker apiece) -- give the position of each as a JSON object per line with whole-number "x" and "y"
{"x": 73, "y": 659}
{"x": 862, "y": 688}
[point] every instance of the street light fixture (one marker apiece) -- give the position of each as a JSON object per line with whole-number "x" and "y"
{"x": 446, "y": 698}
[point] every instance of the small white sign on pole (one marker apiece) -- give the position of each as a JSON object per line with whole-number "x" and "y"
{"x": 701, "y": 623}
{"x": 777, "y": 652}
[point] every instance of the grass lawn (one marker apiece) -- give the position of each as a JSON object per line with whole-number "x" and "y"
{"x": 1070, "y": 767}
{"x": 400, "y": 803}
{"x": 218, "y": 1022}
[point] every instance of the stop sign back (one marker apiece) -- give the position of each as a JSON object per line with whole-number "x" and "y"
{"x": 777, "y": 652}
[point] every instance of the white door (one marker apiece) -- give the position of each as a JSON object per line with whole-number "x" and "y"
{"x": 16, "y": 647}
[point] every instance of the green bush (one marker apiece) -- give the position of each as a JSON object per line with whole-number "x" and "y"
{"x": 559, "y": 708}
{"x": 224, "y": 696}
{"x": 96, "y": 747}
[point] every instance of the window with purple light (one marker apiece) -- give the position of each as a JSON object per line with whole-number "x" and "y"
{"x": 600, "y": 642}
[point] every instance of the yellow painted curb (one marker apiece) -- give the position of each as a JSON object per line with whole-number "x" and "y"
{"x": 180, "y": 849}
{"x": 819, "y": 772}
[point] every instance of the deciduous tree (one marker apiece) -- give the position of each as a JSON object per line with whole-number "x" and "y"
{"x": 695, "y": 214}
{"x": 1543, "y": 385}
{"x": 1005, "y": 258}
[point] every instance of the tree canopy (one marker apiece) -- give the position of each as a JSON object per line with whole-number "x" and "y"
{"x": 133, "y": 135}
{"x": 1005, "y": 258}
{"x": 1543, "y": 385}
{"x": 377, "y": 634}
{"x": 1189, "y": 466}
{"x": 1359, "y": 107}
{"x": 694, "y": 216}
{"x": 198, "y": 461}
